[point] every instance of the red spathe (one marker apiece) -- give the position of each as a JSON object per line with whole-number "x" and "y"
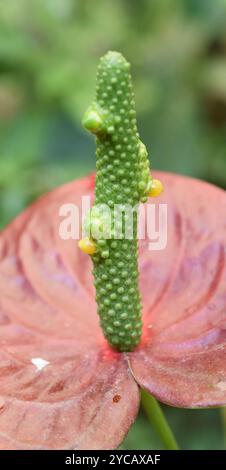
{"x": 61, "y": 385}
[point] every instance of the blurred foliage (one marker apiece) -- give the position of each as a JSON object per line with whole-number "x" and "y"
{"x": 49, "y": 50}
{"x": 194, "y": 429}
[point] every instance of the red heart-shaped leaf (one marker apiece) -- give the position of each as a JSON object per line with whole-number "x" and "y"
{"x": 61, "y": 385}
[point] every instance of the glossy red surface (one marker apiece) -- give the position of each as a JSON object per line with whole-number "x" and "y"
{"x": 58, "y": 377}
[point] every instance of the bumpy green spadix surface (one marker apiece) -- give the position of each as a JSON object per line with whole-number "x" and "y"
{"x": 122, "y": 181}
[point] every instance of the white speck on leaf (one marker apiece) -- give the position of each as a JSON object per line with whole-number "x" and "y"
{"x": 39, "y": 363}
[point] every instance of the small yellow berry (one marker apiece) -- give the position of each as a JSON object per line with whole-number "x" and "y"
{"x": 156, "y": 188}
{"x": 92, "y": 120}
{"x": 87, "y": 246}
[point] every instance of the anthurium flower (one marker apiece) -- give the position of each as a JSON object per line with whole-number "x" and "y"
{"x": 62, "y": 386}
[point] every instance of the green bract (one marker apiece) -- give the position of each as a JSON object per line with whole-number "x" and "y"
{"x": 122, "y": 181}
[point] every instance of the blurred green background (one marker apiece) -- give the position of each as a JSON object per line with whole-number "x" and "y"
{"x": 49, "y": 51}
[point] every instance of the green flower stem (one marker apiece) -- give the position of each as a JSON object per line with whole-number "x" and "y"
{"x": 158, "y": 421}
